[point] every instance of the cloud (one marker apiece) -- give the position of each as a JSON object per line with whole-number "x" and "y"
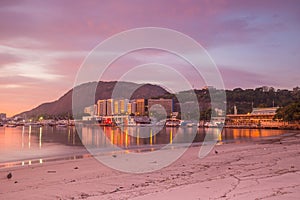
{"x": 234, "y": 78}
{"x": 44, "y": 42}
{"x": 28, "y": 70}
{"x": 35, "y": 64}
{"x": 10, "y": 86}
{"x": 6, "y": 58}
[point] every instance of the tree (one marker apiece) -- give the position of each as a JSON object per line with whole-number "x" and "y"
{"x": 290, "y": 112}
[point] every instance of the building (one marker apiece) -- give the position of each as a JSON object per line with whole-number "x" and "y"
{"x": 124, "y": 106}
{"x": 116, "y": 107}
{"x": 109, "y": 107}
{"x": 264, "y": 111}
{"x": 140, "y": 107}
{"x": 160, "y": 106}
{"x": 102, "y": 110}
{"x": 257, "y": 117}
{"x": 131, "y": 107}
{"x": 91, "y": 110}
{"x": 2, "y": 116}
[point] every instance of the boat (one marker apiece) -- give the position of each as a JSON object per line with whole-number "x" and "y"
{"x": 33, "y": 124}
{"x": 160, "y": 123}
{"x": 51, "y": 124}
{"x": 191, "y": 124}
{"x": 187, "y": 123}
{"x": 172, "y": 123}
{"x": 62, "y": 125}
{"x": 214, "y": 125}
{"x": 71, "y": 123}
{"x": 11, "y": 125}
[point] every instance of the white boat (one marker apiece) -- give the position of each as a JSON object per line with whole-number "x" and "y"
{"x": 33, "y": 124}
{"x": 11, "y": 125}
{"x": 172, "y": 123}
{"x": 61, "y": 125}
{"x": 214, "y": 124}
{"x": 191, "y": 124}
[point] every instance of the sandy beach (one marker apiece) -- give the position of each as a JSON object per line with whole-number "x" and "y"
{"x": 262, "y": 169}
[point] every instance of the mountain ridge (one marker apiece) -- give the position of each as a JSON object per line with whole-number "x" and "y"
{"x": 103, "y": 90}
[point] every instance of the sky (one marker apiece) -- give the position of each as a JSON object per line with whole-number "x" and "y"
{"x": 44, "y": 43}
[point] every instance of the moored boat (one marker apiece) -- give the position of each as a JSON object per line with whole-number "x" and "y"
{"x": 172, "y": 123}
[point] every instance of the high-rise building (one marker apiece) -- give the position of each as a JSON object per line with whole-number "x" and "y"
{"x": 91, "y": 110}
{"x": 109, "y": 107}
{"x": 140, "y": 107}
{"x": 101, "y": 107}
{"x": 133, "y": 107}
{"x": 123, "y": 106}
{"x": 166, "y": 104}
{"x": 116, "y": 107}
{"x": 129, "y": 108}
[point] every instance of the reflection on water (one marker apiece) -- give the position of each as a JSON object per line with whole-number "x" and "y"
{"x": 94, "y": 136}
{"x": 102, "y": 137}
{"x": 25, "y": 143}
{"x": 240, "y": 135}
{"x": 35, "y": 137}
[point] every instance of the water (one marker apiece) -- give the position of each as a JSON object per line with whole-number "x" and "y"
{"x": 28, "y": 145}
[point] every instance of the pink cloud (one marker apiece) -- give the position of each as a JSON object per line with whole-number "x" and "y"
{"x": 53, "y": 30}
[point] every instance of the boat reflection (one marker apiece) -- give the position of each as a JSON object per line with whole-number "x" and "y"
{"x": 126, "y": 137}
{"x": 33, "y": 144}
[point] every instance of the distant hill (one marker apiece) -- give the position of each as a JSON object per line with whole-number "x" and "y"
{"x": 244, "y": 99}
{"x": 104, "y": 90}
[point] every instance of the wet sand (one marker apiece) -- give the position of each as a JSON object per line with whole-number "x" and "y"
{"x": 265, "y": 169}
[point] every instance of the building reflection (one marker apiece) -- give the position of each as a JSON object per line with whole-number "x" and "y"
{"x": 40, "y": 137}
{"x": 125, "y": 137}
{"x": 248, "y": 134}
{"x": 35, "y": 140}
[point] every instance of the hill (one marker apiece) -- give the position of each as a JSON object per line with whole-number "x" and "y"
{"x": 104, "y": 90}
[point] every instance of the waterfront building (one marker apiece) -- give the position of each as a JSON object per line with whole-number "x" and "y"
{"x": 116, "y": 107}
{"x": 264, "y": 111}
{"x": 109, "y": 107}
{"x": 131, "y": 107}
{"x": 101, "y": 107}
{"x": 123, "y": 106}
{"x": 258, "y": 117}
{"x": 91, "y": 110}
{"x": 140, "y": 107}
{"x": 164, "y": 105}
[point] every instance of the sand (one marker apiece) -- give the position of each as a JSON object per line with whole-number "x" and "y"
{"x": 265, "y": 169}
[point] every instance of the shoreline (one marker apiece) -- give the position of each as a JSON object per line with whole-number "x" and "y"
{"x": 294, "y": 127}
{"x": 266, "y": 168}
{"x": 84, "y": 153}
{"x": 288, "y": 126}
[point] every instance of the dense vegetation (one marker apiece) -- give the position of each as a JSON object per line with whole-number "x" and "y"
{"x": 260, "y": 97}
{"x": 243, "y": 99}
{"x": 289, "y": 113}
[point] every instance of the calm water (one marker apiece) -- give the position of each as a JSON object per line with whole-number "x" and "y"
{"x": 37, "y": 144}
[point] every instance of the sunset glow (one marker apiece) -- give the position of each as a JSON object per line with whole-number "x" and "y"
{"x": 43, "y": 43}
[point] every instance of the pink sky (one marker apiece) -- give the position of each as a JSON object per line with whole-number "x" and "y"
{"x": 43, "y": 43}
